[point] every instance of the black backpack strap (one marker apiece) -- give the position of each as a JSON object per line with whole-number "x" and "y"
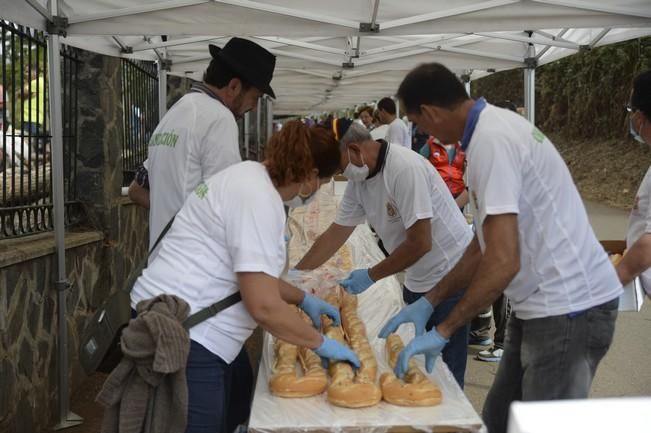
{"x": 212, "y": 310}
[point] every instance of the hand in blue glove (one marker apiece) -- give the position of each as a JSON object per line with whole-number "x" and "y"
{"x": 417, "y": 313}
{"x": 331, "y": 349}
{"x": 358, "y": 281}
{"x": 315, "y": 307}
{"x": 429, "y": 344}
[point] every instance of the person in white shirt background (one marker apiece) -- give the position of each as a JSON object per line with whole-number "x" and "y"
{"x": 405, "y": 200}
{"x": 229, "y": 236}
{"x": 532, "y": 241}
{"x": 398, "y": 133}
{"x": 637, "y": 259}
{"x": 197, "y": 138}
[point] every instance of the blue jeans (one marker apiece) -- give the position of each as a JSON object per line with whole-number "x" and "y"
{"x": 550, "y": 358}
{"x": 455, "y": 353}
{"x": 219, "y": 394}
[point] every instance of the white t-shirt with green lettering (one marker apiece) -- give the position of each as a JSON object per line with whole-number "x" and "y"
{"x": 234, "y": 222}
{"x": 197, "y": 138}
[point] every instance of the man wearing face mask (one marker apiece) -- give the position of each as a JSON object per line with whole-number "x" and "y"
{"x": 402, "y": 196}
{"x": 197, "y": 138}
{"x": 637, "y": 260}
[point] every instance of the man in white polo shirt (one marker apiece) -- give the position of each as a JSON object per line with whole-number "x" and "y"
{"x": 402, "y": 196}
{"x": 197, "y": 138}
{"x": 533, "y": 242}
{"x": 397, "y": 133}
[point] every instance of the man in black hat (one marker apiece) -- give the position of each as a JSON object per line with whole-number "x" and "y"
{"x": 197, "y": 138}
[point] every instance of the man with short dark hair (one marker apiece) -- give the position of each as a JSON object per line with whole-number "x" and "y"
{"x": 197, "y": 138}
{"x": 398, "y": 132}
{"x": 533, "y": 242}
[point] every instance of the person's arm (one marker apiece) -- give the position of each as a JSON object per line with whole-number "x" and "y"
{"x": 290, "y": 294}
{"x": 416, "y": 245}
{"x": 261, "y": 295}
{"x": 325, "y": 246}
{"x": 499, "y": 264}
{"x": 139, "y": 195}
{"x": 636, "y": 260}
{"x": 462, "y": 199}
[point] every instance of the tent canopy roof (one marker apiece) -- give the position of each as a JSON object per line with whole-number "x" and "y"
{"x": 335, "y": 54}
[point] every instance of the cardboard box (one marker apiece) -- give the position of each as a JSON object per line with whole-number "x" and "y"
{"x": 633, "y": 296}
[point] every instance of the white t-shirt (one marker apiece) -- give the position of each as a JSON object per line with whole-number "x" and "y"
{"x": 513, "y": 168}
{"x": 196, "y": 139}
{"x": 639, "y": 222}
{"x": 234, "y": 222}
{"x": 398, "y": 133}
{"x": 409, "y": 189}
{"x": 379, "y": 132}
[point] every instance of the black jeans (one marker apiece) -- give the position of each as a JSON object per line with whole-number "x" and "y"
{"x": 481, "y": 326}
{"x": 549, "y": 358}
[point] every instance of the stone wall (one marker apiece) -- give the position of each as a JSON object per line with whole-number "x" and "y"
{"x": 98, "y": 260}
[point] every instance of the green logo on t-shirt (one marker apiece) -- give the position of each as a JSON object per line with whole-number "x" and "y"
{"x": 201, "y": 190}
{"x": 164, "y": 139}
{"x": 537, "y": 135}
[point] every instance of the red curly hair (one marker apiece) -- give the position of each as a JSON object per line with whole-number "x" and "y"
{"x": 296, "y": 150}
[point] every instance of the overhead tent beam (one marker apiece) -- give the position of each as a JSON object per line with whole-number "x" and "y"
{"x": 552, "y": 36}
{"x": 174, "y": 43}
{"x": 289, "y": 12}
{"x": 305, "y": 57}
{"x": 301, "y": 44}
{"x": 547, "y": 48}
{"x": 135, "y": 10}
{"x": 537, "y": 41}
{"x": 120, "y": 43}
{"x": 40, "y": 9}
{"x": 306, "y": 72}
{"x": 446, "y": 14}
{"x": 409, "y": 44}
{"x": 617, "y": 10}
{"x": 599, "y": 37}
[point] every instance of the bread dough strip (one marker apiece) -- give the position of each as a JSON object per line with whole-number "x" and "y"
{"x": 416, "y": 390}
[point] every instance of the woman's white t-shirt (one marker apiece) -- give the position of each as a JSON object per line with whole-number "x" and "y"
{"x": 640, "y": 222}
{"x": 234, "y": 222}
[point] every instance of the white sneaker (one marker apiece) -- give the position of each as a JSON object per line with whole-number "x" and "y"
{"x": 490, "y": 355}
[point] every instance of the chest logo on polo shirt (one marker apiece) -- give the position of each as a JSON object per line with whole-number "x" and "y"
{"x": 392, "y": 212}
{"x": 201, "y": 190}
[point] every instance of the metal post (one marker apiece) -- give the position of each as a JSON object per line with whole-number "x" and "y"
{"x": 66, "y": 418}
{"x": 467, "y": 86}
{"x": 162, "y": 90}
{"x": 397, "y": 108}
{"x": 270, "y": 119}
{"x": 258, "y": 129}
{"x": 530, "y": 94}
{"x": 247, "y": 134}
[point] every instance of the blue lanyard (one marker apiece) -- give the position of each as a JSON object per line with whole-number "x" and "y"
{"x": 471, "y": 122}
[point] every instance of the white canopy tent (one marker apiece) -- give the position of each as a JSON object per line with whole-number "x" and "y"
{"x": 330, "y": 54}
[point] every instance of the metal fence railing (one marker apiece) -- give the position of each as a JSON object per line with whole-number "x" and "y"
{"x": 25, "y": 153}
{"x": 140, "y": 102}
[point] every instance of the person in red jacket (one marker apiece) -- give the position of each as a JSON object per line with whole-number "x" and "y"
{"x": 450, "y": 161}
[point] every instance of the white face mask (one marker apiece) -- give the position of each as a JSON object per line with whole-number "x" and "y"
{"x": 355, "y": 173}
{"x": 298, "y": 201}
{"x": 636, "y": 135}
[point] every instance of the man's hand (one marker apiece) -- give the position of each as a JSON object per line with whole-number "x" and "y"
{"x": 357, "y": 282}
{"x": 331, "y": 349}
{"x": 430, "y": 344}
{"x": 417, "y": 313}
{"x": 315, "y": 307}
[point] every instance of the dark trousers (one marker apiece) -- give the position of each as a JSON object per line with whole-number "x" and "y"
{"x": 219, "y": 394}
{"x": 550, "y": 358}
{"x": 481, "y": 325}
{"x": 455, "y": 353}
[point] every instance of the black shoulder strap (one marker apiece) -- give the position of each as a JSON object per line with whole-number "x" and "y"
{"x": 143, "y": 264}
{"x": 212, "y": 310}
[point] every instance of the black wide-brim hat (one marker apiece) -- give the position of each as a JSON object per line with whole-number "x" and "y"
{"x": 249, "y": 60}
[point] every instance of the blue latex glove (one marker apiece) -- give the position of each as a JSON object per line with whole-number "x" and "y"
{"x": 429, "y": 344}
{"x": 315, "y": 307}
{"x": 357, "y": 281}
{"x": 331, "y": 349}
{"x": 417, "y": 313}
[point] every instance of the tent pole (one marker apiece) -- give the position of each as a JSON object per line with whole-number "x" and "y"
{"x": 66, "y": 418}
{"x": 530, "y": 85}
{"x": 270, "y": 118}
{"x": 247, "y": 134}
{"x": 258, "y": 129}
{"x": 162, "y": 90}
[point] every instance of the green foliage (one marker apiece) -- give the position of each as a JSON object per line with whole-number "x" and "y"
{"x": 580, "y": 96}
